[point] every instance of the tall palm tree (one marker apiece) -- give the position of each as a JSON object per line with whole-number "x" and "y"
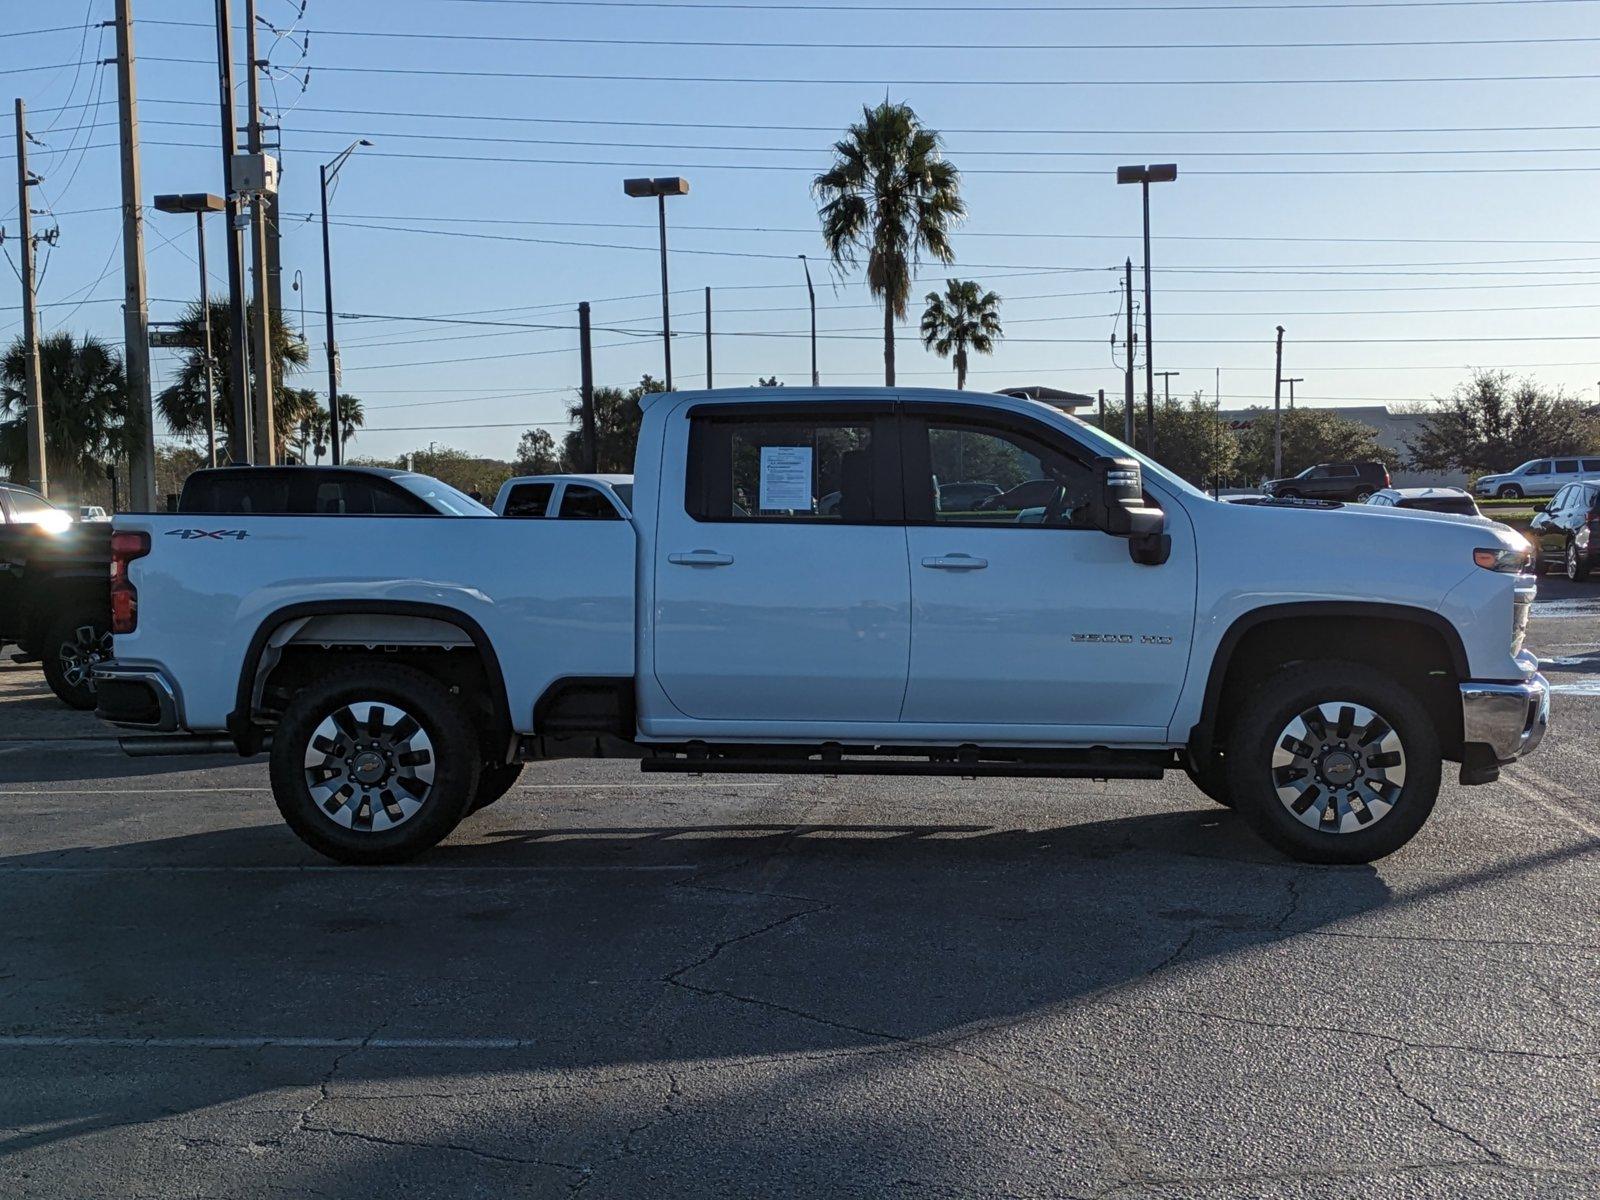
{"x": 183, "y": 404}
{"x": 86, "y": 410}
{"x": 962, "y": 319}
{"x": 890, "y": 192}
{"x": 309, "y": 439}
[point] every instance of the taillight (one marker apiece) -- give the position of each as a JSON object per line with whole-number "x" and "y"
{"x": 1386, "y": 477}
{"x": 125, "y": 547}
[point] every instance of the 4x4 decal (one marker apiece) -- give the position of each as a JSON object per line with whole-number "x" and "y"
{"x": 190, "y": 535}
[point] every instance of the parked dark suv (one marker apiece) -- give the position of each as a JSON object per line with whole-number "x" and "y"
{"x": 1332, "y": 481}
{"x": 1567, "y": 532}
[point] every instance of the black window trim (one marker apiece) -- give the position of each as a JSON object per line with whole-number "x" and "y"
{"x": 916, "y": 458}
{"x": 880, "y": 416}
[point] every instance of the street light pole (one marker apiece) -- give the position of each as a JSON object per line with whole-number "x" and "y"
{"x": 326, "y": 174}
{"x": 812, "y": 293}
{"x": 201, "y": 203}
{"x": 1145, "y": 176}
{"x": 1277, "y": 412}
{"x": 671, "y": 185}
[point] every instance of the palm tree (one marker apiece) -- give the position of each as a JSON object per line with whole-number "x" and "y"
{"x": 891, "y": 193}
{"x": 962, "y": 319}
{"x": 183, "y": 405}
{"x": 86, "y": 411}
{"x": 309, "y": 439}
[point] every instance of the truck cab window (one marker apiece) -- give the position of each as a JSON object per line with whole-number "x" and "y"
{"x": 529, "y": 500}
{"x": 583, "y": 503}
{"x": 796, "y": 469}
{"x": 1038, "y": 484}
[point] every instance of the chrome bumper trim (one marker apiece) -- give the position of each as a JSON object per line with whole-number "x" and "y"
{"x": 160, "y": 687}
{"x": 1509, "y": 718}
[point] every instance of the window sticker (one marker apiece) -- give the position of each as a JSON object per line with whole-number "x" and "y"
{"x": 785, "y": 478}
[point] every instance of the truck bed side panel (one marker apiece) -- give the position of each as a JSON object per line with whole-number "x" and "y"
{"x": 556, "y": 598}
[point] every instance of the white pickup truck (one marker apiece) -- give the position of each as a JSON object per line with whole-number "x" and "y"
{"x": 1311, "y": 665}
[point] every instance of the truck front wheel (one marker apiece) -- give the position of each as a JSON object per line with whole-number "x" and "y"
{"x": 374, "y": 765}
{"x": 1334, "y": 762}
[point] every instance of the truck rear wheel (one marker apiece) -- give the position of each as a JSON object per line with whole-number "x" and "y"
{"x": 375, "y": 765}
{"x": 1334, "y": 762}
{"x": 74, "y": 642}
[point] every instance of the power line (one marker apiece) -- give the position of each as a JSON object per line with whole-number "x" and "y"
{"x": 1259, "y": 6}
{"x": 818, "y": 81}
{"x": 1056, "y": 47}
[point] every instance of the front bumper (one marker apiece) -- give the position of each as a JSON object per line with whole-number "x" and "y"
{"x": 1508, "y": 719}
{"x": 134, "y": 696}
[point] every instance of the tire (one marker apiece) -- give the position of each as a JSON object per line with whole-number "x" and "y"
{"x": 74, "y": 642}
{"x": 390, "y": 739}
{"x": 495, "y": 779}
{"x": 1577, "y": 562}
{"x": 1509, "y": 491}
{"x": 1288, "y": 494}
{"x": 1363, "y": 495}
{"x": 1394, "y": 764}
{"x": 1212, "y": 779}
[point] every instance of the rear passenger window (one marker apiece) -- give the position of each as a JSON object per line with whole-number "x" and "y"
{"x": 1591, "y": 464}
{"x": 1566, "y": 466}
{"x": 796, "y": 468}
{"x": 529, "y": 500}
{"x": 582, "y": 503}
{"x": 240, "y": 492}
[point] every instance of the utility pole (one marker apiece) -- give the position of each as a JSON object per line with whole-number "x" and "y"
{"x": 591, "y": 448}
{"x": 136, "y": 301}
{"x": 1102, "y": 408}
{"x": 1166, "y": 381}
{"x": 239, "y": 435}
{"x": 38, "y": 467}
{"x": 264, "y": 443}
{"x": 1277, "y": 412}
{"x": 1149, "y": 343}
{"x": 1291, "y": 383}
{"x": 1127, "y": 407}
{"x": 708, "y": 339}
{"x": 812, "y": 293}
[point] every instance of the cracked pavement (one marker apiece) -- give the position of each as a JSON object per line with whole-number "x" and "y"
{"x": 609, "y": 985}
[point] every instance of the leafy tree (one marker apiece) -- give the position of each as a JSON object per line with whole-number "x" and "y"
{"x": 86, "y": 408}
{"x": 309, "y": 440}
{"x": 1193, "y": 441}
{"x": 537, "y": 453}
{"x": 183, "y": 405}
{"x": 1494, "y": 422}
{"x": 466, "y": 472}
{"x": 1310, "y": 436}
{"x": 891, "y": 193}
{"x": 962, "y": 319}
{"x": 616, "y": 423}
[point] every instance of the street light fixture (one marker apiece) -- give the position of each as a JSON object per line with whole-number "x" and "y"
{"x": 200, "y": 203}
{"x": 812, "y": 292}
{"x": 668, "y": 185}
{"x": 1144, "y": 176}
{"x": 327, "y": 173}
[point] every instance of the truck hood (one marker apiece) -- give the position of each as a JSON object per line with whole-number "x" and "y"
{"x": 1366, "y": 533}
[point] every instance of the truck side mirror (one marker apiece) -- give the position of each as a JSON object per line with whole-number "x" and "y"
{"x": 1120, "y": 510}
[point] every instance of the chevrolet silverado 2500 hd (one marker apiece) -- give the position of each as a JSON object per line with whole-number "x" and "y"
{"x": 1312, "y": 666}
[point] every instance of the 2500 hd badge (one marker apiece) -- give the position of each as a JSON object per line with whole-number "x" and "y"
{"x": 1123, "y": 639}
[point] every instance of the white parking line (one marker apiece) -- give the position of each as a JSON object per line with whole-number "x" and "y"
{"x": 1546, "y": 784}
{"x": 91, "y": 1041}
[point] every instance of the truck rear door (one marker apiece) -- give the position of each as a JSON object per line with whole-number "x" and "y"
{"x": 782, "y": 590}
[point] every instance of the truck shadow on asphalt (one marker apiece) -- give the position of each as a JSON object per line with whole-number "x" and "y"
{"x": 657, "y": 952}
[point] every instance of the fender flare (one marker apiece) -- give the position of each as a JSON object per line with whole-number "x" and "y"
{"x": 1200, "y": 737}
{"x": 240, "y": 720}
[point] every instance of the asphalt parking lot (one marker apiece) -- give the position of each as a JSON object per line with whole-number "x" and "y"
{"x": 612, "y": 985}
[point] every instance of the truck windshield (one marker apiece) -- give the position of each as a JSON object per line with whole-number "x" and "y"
{"x": 1103, "y": 443}
{"x": 441, "y": 497}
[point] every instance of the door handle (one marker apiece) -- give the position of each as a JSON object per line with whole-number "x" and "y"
{"x": 956, "y": 562}
{"x": 700, "y": 558}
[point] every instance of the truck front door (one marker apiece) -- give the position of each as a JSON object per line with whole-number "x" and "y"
{"x": 781, "y": 586}
{"x": 1034, "y": 617}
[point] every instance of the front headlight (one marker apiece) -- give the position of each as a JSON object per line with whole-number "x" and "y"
{"x": 1512, "y": 561}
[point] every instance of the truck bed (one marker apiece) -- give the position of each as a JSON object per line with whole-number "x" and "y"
{"x": 554, "y": 599}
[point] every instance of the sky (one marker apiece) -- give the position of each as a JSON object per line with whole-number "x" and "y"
{"x": 1408, "y": 188}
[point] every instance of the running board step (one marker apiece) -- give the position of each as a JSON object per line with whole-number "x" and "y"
{"x": 963, "y": 762}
